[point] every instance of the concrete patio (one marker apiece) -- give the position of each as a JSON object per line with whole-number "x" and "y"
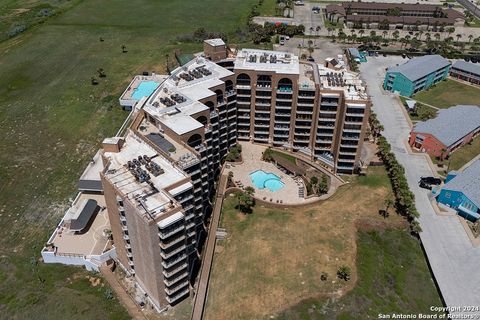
{"x": 252, "y": 161}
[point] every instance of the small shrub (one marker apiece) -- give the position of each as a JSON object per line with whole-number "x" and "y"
{"x": 344, "y": 273}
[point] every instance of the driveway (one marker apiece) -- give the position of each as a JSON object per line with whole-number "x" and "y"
{"x": 453, "y": 258}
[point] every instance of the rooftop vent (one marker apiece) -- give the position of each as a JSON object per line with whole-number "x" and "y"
{"x": 178, "y": 98}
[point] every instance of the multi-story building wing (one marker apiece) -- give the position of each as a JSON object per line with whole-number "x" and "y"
{"x": 159, "y": 180}
{"x": 300, "y": 106}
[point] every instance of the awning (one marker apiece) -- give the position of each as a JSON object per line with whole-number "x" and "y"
{"x": 88, "y": 209}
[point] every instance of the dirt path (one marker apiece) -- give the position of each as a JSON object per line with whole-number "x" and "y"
{"x": 121, "y": 294}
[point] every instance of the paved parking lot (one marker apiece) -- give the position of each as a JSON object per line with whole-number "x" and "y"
{"x": 453, "y": 258}
{"x": 324, "y": 48}
{"x": 304, "y": 15}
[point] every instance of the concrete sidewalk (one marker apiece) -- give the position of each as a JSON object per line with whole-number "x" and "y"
{"x": 453, "y": 258}
{"x": 202, "y": 288}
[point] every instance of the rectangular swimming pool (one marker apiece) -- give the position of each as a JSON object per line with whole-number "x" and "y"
{"x": 144, "y": 89}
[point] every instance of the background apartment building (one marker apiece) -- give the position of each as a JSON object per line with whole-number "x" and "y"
{"x": 390, "y": 16}
{"x": 302, "y": 107}
{"x": 416, "y": 74}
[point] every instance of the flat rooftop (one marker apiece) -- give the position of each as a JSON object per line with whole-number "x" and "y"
{"x": 92, "y": 171}
{"x": 148, "y": 193}
{"x": 215, "y": 42}
{"x": 307, "y": 76}
{"x": 350, "y": 82}
{"x": 91, "y": 242}
{"x": 176, "y": 98}
{"x": 266, "y": 60}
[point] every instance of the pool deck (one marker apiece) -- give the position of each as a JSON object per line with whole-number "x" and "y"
{"x": 252, "y": 161}
{"x": 137, "y": 80}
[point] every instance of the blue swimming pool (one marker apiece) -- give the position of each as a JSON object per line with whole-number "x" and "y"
{"x": 144, "y": 89}
{"x": 262, "y": 180}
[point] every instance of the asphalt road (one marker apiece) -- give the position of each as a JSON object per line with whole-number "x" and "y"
{"x": 453, "y": 258}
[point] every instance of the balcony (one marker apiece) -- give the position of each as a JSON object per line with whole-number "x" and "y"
{"x": 263, "y": 87}
{"x": 181, "y": 285}
{"x": 164, "y": 235}
{"x": 351, "y": 137}
{"x": 329, "y": 103}
{"x": 244, "y": 116}
{"x": 174, "y": 271}
{"x": 303, "y": 126}
{"x": 283, "y": 107}
{"x": 175, "y": 280}
{"x": 304, "y": 133}
{"x": 326, "y": 111}
{"x": 174, "y": 252}
{"x": 326, "y": 126}
{"x": 348, "y": 153}
{"x": 171, "y": 262}
{"x": 172, "y": 299}
{"x": 352, "y": 130}
{"x": 304, "y": 112}
{"x": 262, "y": 125}
{"x": 305, "y": 104}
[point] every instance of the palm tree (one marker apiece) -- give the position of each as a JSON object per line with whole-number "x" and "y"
{"x": 329, "y": 29}
{"x": 420, "y": 34}
{"x": 124, "y": 48}
{"x": 361, "y": 32}
{"x": 470, "y": 37}
{"x": 384, "y": 34}
{"x": 437, "y": 36}
{"x": 459, "y": 36}
{"x": 450, "y": 30}
{"x": 396, "y": 35}
{"x": 354, "y": 38}
{"x": 428, "y": 37}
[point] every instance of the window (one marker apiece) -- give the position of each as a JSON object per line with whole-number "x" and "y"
{"x": 448, "y": 195}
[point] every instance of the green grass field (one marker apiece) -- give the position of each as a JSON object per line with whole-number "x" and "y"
{"x": 449, "y": 93}
{"x": 422, "y": 112}
{"x": 268, "y": 8}
{"x": 270, "y": 264}
{"x": 393, "y": 277}
{"x": 52, "y": 121}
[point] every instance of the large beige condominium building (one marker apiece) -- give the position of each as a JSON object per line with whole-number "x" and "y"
{"x": 159, "y": 180}
{"x": 301, "y": 106}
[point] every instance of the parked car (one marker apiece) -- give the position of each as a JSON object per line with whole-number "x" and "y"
{"x": 431, "y": 180}
{"x": 424, "y": 185}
